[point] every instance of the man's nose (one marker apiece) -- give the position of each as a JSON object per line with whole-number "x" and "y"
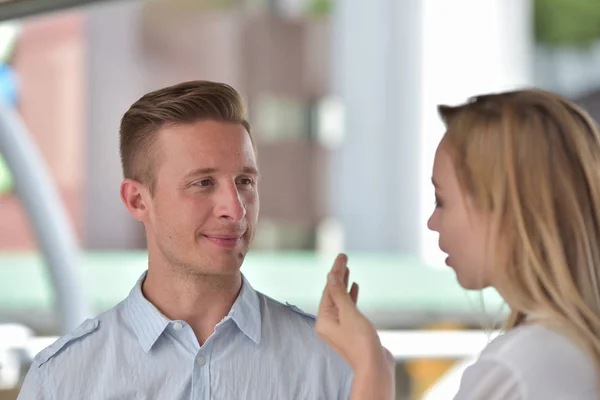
{"x": 229, "y": 203}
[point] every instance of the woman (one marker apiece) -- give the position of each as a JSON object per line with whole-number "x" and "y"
{"x": 517, "y": 183}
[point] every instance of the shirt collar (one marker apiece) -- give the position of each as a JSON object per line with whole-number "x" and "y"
{"x": 246, "y": 311}
{"x": 149, "y": 323}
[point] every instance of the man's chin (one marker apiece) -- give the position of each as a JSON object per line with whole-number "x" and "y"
{"x": 226, "y": 262}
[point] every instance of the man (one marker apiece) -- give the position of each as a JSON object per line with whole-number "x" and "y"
{"x": 192, "y": 327}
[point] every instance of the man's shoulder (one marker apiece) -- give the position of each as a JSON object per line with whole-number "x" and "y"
{"x": 88, "y": 328}
{"x": 294, "y": 324}
{"x": 286, "y": 310}
{"x": 88, "y": 335}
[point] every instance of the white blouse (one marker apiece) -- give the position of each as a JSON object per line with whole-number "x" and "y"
{"x": 531, "y": 362}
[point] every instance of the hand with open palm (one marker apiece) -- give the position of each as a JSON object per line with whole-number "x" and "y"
{"x": 351, "y": 334}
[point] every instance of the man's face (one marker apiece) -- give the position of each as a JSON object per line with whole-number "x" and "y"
{"x": 205, "y": 205}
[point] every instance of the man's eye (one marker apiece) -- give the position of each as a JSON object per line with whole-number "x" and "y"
{"x": 246, "y": 181}
{"x": 203, "y": 182}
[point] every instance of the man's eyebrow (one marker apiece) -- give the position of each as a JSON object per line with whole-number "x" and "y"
{"x": 201, "y": 171}
{"x": 204, "y": 171}
{"x": 250, "y": 170}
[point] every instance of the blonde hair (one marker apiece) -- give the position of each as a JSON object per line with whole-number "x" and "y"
{"x": 532, "y": 158}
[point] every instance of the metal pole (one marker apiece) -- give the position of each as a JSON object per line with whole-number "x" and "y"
{"x": 47, "y": 218}
{"x": 25, "y": 8}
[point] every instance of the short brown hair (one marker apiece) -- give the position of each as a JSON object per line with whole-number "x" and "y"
{"x": 184, "y": 103}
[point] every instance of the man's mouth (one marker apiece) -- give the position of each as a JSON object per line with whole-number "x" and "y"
{"x": 227, "y": 241}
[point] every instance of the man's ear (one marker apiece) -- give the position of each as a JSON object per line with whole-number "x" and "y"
{"x": 134, "y": 195}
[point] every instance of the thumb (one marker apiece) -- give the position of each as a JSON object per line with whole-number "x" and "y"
{"x": 335, "y": 304}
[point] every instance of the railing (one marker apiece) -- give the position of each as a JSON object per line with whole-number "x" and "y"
{"x": 18, "y": 346}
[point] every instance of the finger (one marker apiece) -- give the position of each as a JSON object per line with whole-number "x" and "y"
{"x": 327, "y": 305}
{"x": 339, "y": 265}
{"x": 346, "y": 276}
{"x": 354, "y": 292}
{"x": 339, "y": 297}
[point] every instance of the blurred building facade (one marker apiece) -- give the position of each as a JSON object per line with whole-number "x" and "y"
{"x": 79, "y": 71}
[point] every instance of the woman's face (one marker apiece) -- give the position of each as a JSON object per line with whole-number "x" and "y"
{"x": 463, "y": 230}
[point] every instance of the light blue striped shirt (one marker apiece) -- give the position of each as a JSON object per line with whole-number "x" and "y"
{"x": 262, "y": 350}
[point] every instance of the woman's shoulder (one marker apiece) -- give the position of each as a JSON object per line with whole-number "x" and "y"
{"x": 544, "y": 361}
{"x": 536, "y": 343}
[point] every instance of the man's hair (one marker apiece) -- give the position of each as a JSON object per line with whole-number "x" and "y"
{"x": 184, "y": 103}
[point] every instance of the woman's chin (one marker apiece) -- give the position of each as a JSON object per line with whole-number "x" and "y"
{"x": 470, "y": 283}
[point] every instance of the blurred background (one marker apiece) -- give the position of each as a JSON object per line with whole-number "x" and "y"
{"x": 341, "y": 96}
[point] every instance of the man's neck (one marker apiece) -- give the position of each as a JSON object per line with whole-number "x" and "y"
{"x": 200, "y": 300}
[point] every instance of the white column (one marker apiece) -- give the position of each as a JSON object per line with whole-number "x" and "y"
{"x": 374, "y": 176}
{"x": 116, "y": 78}
{"x": 469, "y": 47}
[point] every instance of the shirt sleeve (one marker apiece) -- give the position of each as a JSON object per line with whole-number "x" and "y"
{"x": 33, "y": 386}
{"x": 489, "y": 380}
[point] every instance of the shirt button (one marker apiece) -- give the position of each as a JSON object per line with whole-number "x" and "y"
{"x": 201, "y": 361}
{"x": 177, "y": 326}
